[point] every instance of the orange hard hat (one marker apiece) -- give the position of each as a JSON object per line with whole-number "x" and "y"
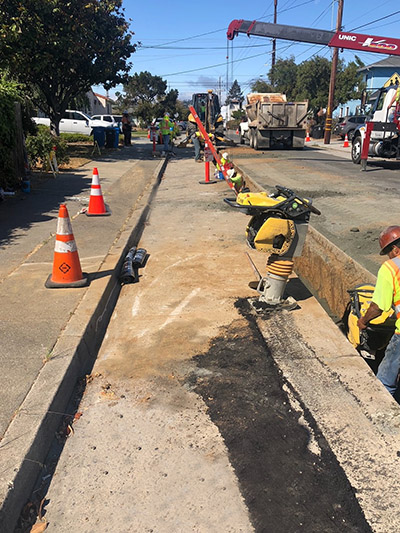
{"x": 387, "y": 237}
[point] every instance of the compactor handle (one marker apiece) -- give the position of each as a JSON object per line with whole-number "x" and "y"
{"x": 292, "y": 195}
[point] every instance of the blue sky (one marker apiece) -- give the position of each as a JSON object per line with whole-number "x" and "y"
{"x": 173, "y": 44}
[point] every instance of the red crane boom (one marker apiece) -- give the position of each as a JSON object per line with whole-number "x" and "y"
{"x": 351, "y": 41}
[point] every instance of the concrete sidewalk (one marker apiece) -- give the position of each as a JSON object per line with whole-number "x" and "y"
{"x": 335, "y": 146}
{"x": 42, "y": 327}
{"x": 151, "y": 450}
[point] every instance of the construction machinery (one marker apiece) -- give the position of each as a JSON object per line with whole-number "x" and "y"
{"x": 272, "y": 122}
{"x": 340, "y": 39}
{"x": 278, "y": 226}
{"x": 208, "y": 110}
{"x": 380, "y": 135}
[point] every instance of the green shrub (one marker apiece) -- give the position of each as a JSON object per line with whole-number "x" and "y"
{"x": 232, "y": 124}
{"x": 39, "y": 147}
{"x": 8, "y": 96}
{"x": 75, "y": 137}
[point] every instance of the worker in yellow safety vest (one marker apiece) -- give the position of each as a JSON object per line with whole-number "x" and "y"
{"x": 166, "y": 129}
{"x": 194, "y": 135}
{"x": 386, "y": 295}
{"x": 226, "y": 163}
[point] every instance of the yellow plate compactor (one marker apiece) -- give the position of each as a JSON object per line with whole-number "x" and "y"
{"x": 278, "y": 226}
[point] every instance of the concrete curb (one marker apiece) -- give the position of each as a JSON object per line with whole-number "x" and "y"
{"x": 31, "y": 432}
{"x": 324, "y": 267}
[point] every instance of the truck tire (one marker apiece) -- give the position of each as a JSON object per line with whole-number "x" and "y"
{"x": 356, "y": 150}
{"x": 251, "y": 136}
{"x": 256, "y": 140}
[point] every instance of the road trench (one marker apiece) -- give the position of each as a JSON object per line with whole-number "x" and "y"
{"x": 194, "y": 419}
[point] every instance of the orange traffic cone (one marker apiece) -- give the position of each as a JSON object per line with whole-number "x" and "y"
{"x": 96, "y": 201}
{"x": 67, "y": 270}
{"x": 346, "y": 141}
{"x": 308, "y": 137}
{"x": 237, "y": 131}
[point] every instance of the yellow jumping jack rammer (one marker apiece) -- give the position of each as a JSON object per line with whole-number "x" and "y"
{"x": 278, "y": 226}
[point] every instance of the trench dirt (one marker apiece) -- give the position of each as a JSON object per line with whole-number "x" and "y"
{"x": 286, "y": 486}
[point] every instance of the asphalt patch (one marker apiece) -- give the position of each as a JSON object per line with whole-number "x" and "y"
{"x": 287, "y": 487}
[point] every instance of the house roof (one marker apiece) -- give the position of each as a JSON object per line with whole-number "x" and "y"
{"x": 102, "y": 96}
{"x": 388, "y": 62}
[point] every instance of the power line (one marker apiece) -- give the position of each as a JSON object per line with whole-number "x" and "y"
{"x": 159, "y": 47}
{"x": 376, "y": 20}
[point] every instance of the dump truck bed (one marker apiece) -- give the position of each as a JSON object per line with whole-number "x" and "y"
{"x": 277, "y": 114}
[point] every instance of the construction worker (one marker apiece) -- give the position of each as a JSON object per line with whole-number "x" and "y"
{"x": 226, "y": 163}
{"x": 386, "y": 295}
{"x": 194, "y": 135}
{"x": 166, "y": 129}
{"x": 126, "y": 128}
{"x": 237, "y": 180}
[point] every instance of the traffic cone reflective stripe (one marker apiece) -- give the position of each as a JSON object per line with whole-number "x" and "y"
{"x": 96, "y": 201}
{"x": 308, "y": 137}
{"x": 67, "y": 270}
{"x": 346, "y": 141}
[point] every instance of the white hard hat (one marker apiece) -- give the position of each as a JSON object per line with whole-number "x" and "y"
{"x": 225, "y": 155}
{"x": 231, "y": 172}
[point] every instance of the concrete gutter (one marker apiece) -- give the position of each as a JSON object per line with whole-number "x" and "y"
{"x": 324, "y": 267}
{"x": 31, "y": 432}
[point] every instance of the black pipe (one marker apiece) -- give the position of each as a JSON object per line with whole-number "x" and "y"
{"x": 128, "y": 273}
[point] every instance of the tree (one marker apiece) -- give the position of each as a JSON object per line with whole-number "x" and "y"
{"x": 142, "y": 94}
{"x": 283, "y": 77}
{"x": 261, "y": 86}
{"x": 60, "y": 49}
{"x": 312, "y": 82}
{"x": 182, "y": 109}
{"x": 235, "y": 94}
{"x": 168, "y": 103}
{"x": 349, "y": 84}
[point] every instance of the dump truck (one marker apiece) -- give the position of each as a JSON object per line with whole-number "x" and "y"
{"x": 273, "y": 122}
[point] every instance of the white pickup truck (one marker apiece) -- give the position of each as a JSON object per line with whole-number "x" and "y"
{"x": 76, "y": 122}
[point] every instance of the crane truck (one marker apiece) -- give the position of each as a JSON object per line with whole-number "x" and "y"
{"x": 272, "y": 122}
{"x": 385, "y": 136}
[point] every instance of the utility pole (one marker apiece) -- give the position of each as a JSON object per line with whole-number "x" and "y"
{"x": 274, "y": 40}
{"x": 227, "y": 67}
{"x": 335, "y": 57}
{"x": 219, "y": 89}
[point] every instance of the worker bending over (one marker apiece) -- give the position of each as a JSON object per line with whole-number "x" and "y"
{"x": 386, "y": 295}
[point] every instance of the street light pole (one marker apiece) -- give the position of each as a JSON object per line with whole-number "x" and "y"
{"x": 328, "y": 120}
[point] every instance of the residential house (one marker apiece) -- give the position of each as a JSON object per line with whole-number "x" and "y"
{"x": 99, "y": 104}
{"x": 380, "y": 74}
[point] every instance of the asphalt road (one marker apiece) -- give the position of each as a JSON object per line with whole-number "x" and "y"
{"x": 355, "y": 205}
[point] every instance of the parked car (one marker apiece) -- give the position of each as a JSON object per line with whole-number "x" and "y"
{"x": 349, "y": 125}
{"x": 115, "y": 120}
{"x": 74, "y": 121}
{"x": 182, "y": 125}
